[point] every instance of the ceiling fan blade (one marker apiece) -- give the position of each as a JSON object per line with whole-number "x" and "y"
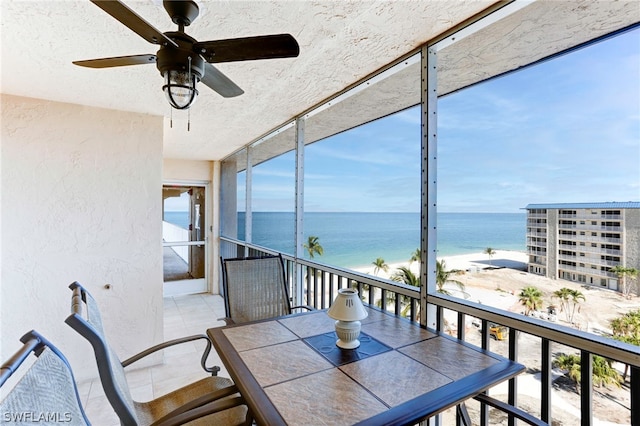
{"x": 216, "y": 80}
{"x": 118, "y": 61}
{"x": 248, "y": 48}
{"x": 134, "y": 22}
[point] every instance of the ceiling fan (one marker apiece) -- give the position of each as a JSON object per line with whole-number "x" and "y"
{"x": 182, "y": 60}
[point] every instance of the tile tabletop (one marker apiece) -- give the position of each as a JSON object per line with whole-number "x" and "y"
{"x": 284, "y": 365}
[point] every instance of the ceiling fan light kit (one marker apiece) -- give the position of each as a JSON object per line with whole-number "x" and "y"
{"x": 184, "y": 62}
{"x": 181, "y": 69}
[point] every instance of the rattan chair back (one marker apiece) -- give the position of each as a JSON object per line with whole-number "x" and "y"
{"x": 255, "y": 288}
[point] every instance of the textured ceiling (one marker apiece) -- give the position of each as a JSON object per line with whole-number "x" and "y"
{"x": 340, "y": 41}
{"x": 523, "y": 34}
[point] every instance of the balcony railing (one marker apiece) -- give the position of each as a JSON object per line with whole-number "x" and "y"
{"x": 537, "y": 215}
{"x": 587, "y": 271}
{"x": 589, "y": 216}
{"x": 321, "y": 283}
{"x": 591, "y": 238}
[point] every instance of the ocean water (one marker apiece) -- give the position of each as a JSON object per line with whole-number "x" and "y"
{"x": 180, "y": 219}
{"x": 348, "y": 240}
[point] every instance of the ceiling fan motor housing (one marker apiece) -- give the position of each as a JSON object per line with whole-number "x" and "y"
{"x": 177, "y": 58}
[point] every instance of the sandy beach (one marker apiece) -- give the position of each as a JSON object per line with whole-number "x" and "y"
{"x": 465, "y": 262}
{"x": 496, "y": 282}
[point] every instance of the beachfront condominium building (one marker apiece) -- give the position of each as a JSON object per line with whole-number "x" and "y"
{"x": 581, "y": 242}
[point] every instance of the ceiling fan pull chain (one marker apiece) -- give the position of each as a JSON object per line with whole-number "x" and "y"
{"x": 170, "y": 118}
{"x": 189, "y": 110}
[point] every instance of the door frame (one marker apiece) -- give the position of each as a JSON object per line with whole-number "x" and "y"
{"x": 194, "y": 286}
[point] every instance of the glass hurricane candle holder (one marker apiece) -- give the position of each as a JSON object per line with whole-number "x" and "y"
{"x": 347, "y": 310}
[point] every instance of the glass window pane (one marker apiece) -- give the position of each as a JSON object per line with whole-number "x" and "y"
{"x": 563, "y": 130}
{"x": 273, "y": 192}
{"x": 362, "y": 193}
{"x": 362, "y": 175}
{"x": 232, "y": 195}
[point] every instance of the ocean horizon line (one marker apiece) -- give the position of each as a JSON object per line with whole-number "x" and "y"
{"x": 374, "y": 212}
{"x": 358, "y": 238}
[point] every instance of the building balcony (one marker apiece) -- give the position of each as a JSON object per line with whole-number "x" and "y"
{"x": 589, "y": 260}
{"x": 586, "y": 271}
{"x": 537, "y": 260}
{"x": 537, "y": 215}
{"x": 536, "y": 251}
{"x": 589, "y": 216}
{"x": 537, "y": 243}
{"x": 591, "y": 238}
{"x": 567, "y": 226}
{"x": 589, "y": 249}
{"x": 611, "y": 216}
{"x": 536, "y": 223}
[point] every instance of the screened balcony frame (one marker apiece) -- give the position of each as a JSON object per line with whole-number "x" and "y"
{"x": 427, "y": 302}
{"x": 427, "y": 56}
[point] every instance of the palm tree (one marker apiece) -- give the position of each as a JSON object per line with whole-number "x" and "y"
{"x": 415, "y": 257}
{"x": 531, "y": 298}
{"x": 569, "y": 300}
{"x": 404, "y": 275}
{"x": 443, "y": 276}
{"x": 603, "y": 373}
{"x": 563, "y": 295}
{"x": 379, "y": 264}
{"x": 622, "y": 273}
{"x": 570, "y": 364}
{"x": 626, "y": 328}
{"x": 313, "y": 246}
{"x": 491, "y": 252}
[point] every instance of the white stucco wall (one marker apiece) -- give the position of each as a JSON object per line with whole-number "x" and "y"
{"x": 186, "y": 170}
{"x": 81, "y": 200}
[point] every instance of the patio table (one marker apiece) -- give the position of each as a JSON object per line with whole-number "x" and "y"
{"x": 290, "y": 371}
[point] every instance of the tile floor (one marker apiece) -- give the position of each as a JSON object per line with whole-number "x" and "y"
{"x": 183, "y": 316}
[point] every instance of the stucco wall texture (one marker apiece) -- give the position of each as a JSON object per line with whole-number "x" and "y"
{"x": 81, "y": 198}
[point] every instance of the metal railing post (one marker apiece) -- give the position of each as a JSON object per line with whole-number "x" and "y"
{"x": 298, "y": 279}
{"x": 545, "y": 381}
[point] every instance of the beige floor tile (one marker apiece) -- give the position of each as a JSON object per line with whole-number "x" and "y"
{"x": 84, "y": 388}
{"x": 142, "y": 393}
{"x": 176, "y": 381}
{"x": 183, "y": 316}
{"x": 97, "y": 390}
{"x": 138, "y": 377}
{"x": 99, "y": 412}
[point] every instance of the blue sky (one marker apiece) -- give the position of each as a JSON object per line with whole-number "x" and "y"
{"x": 567, "y": 130}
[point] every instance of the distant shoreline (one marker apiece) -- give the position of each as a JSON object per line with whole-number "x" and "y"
{"x": 475, "y": 261}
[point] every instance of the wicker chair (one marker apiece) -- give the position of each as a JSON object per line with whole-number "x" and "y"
{"x": 255, "y": 288}
{"x": 214, "y": 397}
{"x": 46, "y": 393}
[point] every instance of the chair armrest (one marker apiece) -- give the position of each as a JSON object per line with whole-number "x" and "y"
{"x": 307, "y": 307}
{"x": 205, "y": 410}
{"x": 202, "y": 406}
{"x": 213, "y": 370}
{"x": 510, "y": 409}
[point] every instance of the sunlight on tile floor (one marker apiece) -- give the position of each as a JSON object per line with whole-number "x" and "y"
{"x": 183, "y": 316}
